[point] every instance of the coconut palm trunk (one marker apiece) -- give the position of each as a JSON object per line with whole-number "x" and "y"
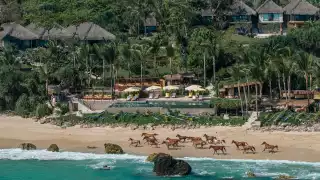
{"x": 256, "y": 87}
{"x": 270, "y": 89}
{"x": 245, "y": 98}
{"x": 289, "y": 87}
{"x": 279, "y": 86}
{"x": 306, "y": 76}
{"x": 284, "y": 86}
{"x": 239, "y": 94}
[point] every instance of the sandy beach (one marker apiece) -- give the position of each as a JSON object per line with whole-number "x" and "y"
{"x": 294, "y": 146}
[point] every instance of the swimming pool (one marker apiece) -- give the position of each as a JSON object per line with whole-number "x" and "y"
{"x": 166, "y": 104}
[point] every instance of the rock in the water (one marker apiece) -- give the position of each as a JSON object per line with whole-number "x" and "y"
{"x": 166, "y": 165}
{"x": 285, "y": 177}
{"x": 27, "y": 146}
{"x": 113, "y": 149}
{"x": 152, "y": 157}
{"x": 53, "y": 148}
{"x": 251, "y": 174}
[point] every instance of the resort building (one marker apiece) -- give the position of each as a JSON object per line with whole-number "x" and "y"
{"x": 243, "y": 17}
{"x": 13, "y": 33}
{"x": 150, "y": 24}
{"x": 297, "y": 12}
{"x": 270, "y": 17}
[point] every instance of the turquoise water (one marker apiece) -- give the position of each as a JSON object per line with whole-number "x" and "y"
{"x": 16, "y": 164}
{"x": 169, "y": 104}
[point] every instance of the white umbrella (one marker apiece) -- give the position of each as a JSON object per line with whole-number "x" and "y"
{"x": 171, "y": 88}
{"x": 132, "y": 89}
{"x": 192, "y": 87}
{"x": 152, "y": 88}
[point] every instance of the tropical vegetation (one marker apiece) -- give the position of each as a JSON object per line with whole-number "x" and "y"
{"x": 184, "y": 41}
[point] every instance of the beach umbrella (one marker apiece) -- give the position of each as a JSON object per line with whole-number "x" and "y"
{"x": 169, "y": 88}
{"x": 153, "y": 88}
{"x": 132, "y": 89}
{"x": 192, "y": 87}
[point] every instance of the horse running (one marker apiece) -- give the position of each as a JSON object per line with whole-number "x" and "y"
{"x": 170, "y": 143}
{"x": 134, "y": 142}
{"x": 218, "y": 148}
{"x": 150, "y": 140}
{"x": 218, "y": 141}
{"x": 199, "y": 142}
{"x": 269, "y": 147}
{"x": 184, "y": 138}
{"x": 239, "y": 143}
{"x": 209, "y": 139}
{"x": 172, "y": 140}
{"x": 149, "y": 134}
{"x": 195, "y": 138}
{"x": 249, "y": 148}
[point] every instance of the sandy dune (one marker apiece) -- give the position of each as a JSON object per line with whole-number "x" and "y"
{"x": 296, "y": 146}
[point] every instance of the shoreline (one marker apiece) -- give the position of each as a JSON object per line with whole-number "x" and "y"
{"x": 293, "y": 146}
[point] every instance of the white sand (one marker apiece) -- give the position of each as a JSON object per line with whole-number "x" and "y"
{"x": 296, "y": 146}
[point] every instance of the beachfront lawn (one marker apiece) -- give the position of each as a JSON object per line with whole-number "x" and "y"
{"x": 289, "y": 117}
{"x": 170, "y": 118}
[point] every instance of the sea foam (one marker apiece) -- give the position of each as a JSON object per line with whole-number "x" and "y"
{"x": 18, "y": 154}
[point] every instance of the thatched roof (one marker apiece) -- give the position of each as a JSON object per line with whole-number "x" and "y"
{"x": 57, "y": 32}
{"x": 180, "y": 76}
{"x": 269, "y": 7}
{"x": 241, "y": 8}
{"x": 207, "y": 12}
{"x": 90, "y": 31}
{"x": 300, "y": 7}
{"x": 17, "y": 31}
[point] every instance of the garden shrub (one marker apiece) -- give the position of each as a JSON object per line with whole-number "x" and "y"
{"x": 43, "y": 110}
{"x": 64, "y": 107}
{"x": 22, "y": 106}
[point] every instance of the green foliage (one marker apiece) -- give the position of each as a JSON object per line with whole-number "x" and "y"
{"x": 289, "y": 117}
{"x": 64, "y": 107}
{"x": 225, "y": 103}
{"x": 172, "y": 118}
{"x": 23, "y": 107}
{"x": 43, "y": 110}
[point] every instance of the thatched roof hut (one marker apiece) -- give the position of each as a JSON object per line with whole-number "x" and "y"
{"x": 300, "y": 7}
{"x": 90, "y": 31}
{"x": 150, "y": 21}
{"x": 57, "y": 32}
{"x": 269, "y": 7}
{"x": 241, "y": 8}
{"x": 17, "y": 31}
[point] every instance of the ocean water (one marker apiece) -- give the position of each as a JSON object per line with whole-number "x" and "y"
{"x": 16, "y": 164}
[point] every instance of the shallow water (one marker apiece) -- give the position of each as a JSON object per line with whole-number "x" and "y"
{"x": 16, "y": 164}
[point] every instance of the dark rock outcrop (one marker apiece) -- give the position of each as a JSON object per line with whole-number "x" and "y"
{"x": 53, "y": 148}
{"x": 166, "y": 165}
{"x": 113, "y": 149}
{"x": 27, "y": 146}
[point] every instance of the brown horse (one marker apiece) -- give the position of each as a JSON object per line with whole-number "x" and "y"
{"x": 209, "y": 139}
{"x": 184, "y": 138}
{"x": 218, "y": 148}
{"x": 249, "y": 148}
{"x": 134, "y": 142}
{"x": 195, "y": 138}
{"x": 199, "y": 142}
{"x": 150, "y": 140}
{"x": 239, "y": 143}
{"x": 172, "y": 140}
{"x": 218, "y": 141}
{"x": 170, "y": 143}
{"x": 270, "y": 147}
{"x": 149, "y": 134}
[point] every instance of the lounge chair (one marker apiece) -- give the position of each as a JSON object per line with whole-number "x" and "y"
{"x": 167, "y": 95}
{"x": 129, "y": 98}
{"x": 200, "y": 98}
{"x": 157, "y": 96}
{"x": 174, "y": 95}
{"x": 151, "y": 96}
{"x": 135, "y": 98}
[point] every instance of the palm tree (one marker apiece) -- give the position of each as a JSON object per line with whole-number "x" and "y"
{"x": 126, "y": 55}
{"x": 305, "y": 63}
{"x": 236, "y": 74}
{"x": 141, "y": 52}
{"x": 155, "y": 46}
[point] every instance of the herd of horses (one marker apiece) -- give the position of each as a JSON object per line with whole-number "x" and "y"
{"x": 218, "y": 145}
